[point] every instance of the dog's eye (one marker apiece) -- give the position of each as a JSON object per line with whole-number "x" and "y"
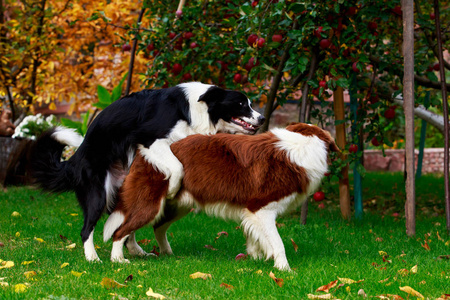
{"x": 241, "y": 103}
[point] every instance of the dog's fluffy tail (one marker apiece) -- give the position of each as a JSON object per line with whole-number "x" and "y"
{"x": 48, "y": 170}
{"x": 114, "y": 221}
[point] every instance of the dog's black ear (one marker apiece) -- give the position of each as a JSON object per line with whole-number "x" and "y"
{"x": 213, "y": 94}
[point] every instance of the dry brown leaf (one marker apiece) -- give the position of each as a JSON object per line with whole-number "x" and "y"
{"x": 324, "y": 296}
{"x": 227, "y": 286}
{"x": 201, "y": 275}
{"x": 426, "y": 246}
{"x": 210, "y": 247}
{"x": 411, "y": 291}
{"x": 444, "y": 297}
{"x": 111, "y": 284}
{"x": 295, "y": 245}
{"x": 144, "y": 242}
{"x": 326, "y": 288}
{"x": 278, "y": 281}
{"x": 403, "y": 272}
{"x": 150, "y": 293}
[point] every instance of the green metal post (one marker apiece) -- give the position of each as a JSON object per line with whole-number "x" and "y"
{"x": 357, "y": 179}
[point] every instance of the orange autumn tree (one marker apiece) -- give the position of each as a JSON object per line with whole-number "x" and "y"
{"x": 60, "y": 50}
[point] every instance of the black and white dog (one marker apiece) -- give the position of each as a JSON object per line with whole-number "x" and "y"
{"x": 152, "y": 118}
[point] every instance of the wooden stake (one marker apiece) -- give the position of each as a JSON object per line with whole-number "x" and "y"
{"x": 408, "y": 106}
{"x": 344, "y": 189}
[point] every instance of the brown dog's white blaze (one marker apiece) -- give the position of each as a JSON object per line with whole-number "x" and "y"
{"x": 251, "y": 179}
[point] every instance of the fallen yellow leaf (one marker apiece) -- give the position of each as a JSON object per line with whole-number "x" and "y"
{"x": 64, "y": 265}
{"x": 414, "y": 269}
{"x": 29, "y": 274}
{"x": 411, "y": 291}
{"x": 325, "y": 296}
{"x": 77, "y": 274}
{"x": 201, "y": 275}
{"x": 15, "y": 214}
{"x": 3, "y": 284}
{"x": 382, "y": 253}
{"x": 389, "y": 297}
{"x": 71, "y": 246}
{"x": 150, "y": 293}
{"x": 20, "y": 288}
{"x": 6, "y": 264}
{"x": 39, "y": 240}
{"x": 74, "y": 215}
{"x": 259, "y": 272}
{"x": 348, "y": 280}
{"x": 110, "y": 283}
{"x": 27, "y": 262}
{"x": 17, "y": 234}
{"x": 447, "y": 243}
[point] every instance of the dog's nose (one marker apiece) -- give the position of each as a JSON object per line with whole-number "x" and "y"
{"x": 261, "y": 119}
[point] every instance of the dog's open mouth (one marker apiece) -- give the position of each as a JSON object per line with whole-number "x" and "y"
{"x": 245, "y": 125}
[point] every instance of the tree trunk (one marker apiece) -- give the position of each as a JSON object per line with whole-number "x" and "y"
{"x": 408, "y": 93}
{"x": 445, "y": 108}
{"x": 133, "y": 53}
{"x": 344, "y": 188}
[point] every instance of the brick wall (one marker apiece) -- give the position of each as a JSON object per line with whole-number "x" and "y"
{"x": 394, "y": 161}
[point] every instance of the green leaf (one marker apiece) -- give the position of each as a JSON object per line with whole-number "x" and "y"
{"x": 117, "y": 91}
{"x": 85, "y": 123}
{"x": 103, "y": 95}
{"x": 342, "y": 82}
{"x": 72, "y": 124}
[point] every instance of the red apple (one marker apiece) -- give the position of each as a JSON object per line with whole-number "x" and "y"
{"x": 373, "y": 99}
{"x": 126, "y": 47}
{"x": 316, "y": 92}
{"x": 172, "y": 35}
{"x": 325, "y": 43}
{"x": 177, "y": 68}
{"x": 260, "y": 42}
{"x": 355, "y": 67}
{"x": 241, "y": 256}
{"x": 318, "y": 31}
{"x": 397, "y": 10}
{"x": 327, "y": 174}
{"x": 150, "y": 47}
{"x": 323, "y": 83}
{"x": 353, "y": 148}
{"x": 321, "y": 205}
{"x": 277, "y": 38}
{"x": 432, "y": 16}
{"x": 436, "y": 67}
{"x": 319, "y": 196}
{"x": 251, "y": 40}
{"x": 188, "y": 35}
{"x": 351, "y": 11}
{"x": 237, "y": 78}
{"x": 254, "y": 3}
{"x": 250, "y": 64}
{"x": 193, "y": 45}
{"x": 389, "y": 113}
{"x": 187, "y": 76}
{"x": 375, "y": 141}
{"x": 372, "y": 26}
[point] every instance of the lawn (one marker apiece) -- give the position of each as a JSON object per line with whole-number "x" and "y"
{"x": 374, "y": 252}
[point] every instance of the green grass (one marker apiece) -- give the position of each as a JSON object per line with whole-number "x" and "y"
{"x": 328, "y": 248}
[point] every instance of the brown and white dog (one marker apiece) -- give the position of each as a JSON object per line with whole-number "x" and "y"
{"x": 249, "y": 179}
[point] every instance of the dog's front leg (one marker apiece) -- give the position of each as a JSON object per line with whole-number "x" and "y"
{"x": 163, "y": 160}
{"x": 270, "y": 232}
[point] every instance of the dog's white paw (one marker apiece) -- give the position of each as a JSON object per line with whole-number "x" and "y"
{"x": 120, "y": 260}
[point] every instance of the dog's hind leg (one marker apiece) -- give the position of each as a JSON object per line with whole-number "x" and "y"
{"x": 94, "y": 205}
{"x": 133, "y": 247}
{"x": 172, "y": 213}
{"x": 117, "y": 251}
